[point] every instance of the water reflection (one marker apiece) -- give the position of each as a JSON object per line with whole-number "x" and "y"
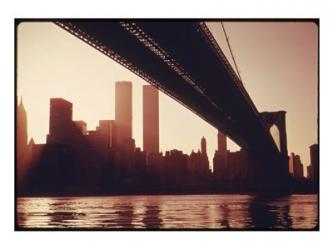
{"x": 175, "y": 212}
{"x": 264, "y": 213}
{"x": 225, "y": 217}
{"x": 278, "y": 213}
{"x": 124, "y": 216}
{"x": 151, "y": 217}
{"x": 304, "y": 213}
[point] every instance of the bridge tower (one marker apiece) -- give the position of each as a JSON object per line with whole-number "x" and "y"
{"x": 270, "y": 173}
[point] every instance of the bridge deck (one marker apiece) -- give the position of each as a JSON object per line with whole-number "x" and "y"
{"x": 182, "y": 60}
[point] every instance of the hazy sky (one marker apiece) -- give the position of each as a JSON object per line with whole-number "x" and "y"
{"x": 278, "y": 64}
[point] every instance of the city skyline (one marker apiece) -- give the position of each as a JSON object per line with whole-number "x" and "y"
{"x": 63, "y": 129}
{"x": 185, "y": 141}
{"x": 149, "y": 117}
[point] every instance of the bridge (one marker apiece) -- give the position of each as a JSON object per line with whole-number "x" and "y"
{"x": 184, "y": 61}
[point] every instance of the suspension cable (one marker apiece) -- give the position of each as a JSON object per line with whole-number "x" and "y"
{"x": 232, "y": 55}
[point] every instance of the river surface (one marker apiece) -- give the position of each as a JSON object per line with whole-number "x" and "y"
{"x": 168, "y": 212}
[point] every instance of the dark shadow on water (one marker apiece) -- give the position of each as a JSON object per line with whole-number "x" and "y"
{"x": 151, "y": 217}
{"x": 64, "y": 219}
{"x": 225, "y": 217}
{"x": 270, "y": 213}
{"x": 124, "y": 216}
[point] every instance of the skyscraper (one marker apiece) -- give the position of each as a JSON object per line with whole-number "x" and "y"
{"x": 204, "y": 157}
{"x": 203, "y": 146}
{"x": 21, "y": 130}
{"x": 23, "y": 150}
{"x": 61, "y": 125}
{"x": 222, "y": 143}
{"x": 220, "y": 157}
{"x": 150, "y": 119}
{"x": 314, "y": 162}
{"x": 123, "y": 112}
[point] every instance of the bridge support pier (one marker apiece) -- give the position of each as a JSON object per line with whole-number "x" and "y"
{"x": 267, "y": 175}
{"x": 270, "y": 173}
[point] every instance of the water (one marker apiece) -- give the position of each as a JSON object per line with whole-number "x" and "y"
{"x": 169, "y": 212}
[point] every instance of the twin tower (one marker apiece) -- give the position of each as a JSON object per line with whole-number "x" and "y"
{"x": 123, "y": 115}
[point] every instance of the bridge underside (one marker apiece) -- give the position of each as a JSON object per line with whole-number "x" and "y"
{"x": 183, "y": 60}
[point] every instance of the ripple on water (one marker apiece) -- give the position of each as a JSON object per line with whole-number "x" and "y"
{"x": 179, "y": 211}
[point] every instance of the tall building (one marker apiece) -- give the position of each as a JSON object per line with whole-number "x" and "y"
{"x": 150, "y": 119}
{"x": 21, "y": 130}
{"x": 203, "y": 146}
{"x": 22, "y": 148}
{"x": 314, "y": 162}
{"x": 309, "y": 173}
{"x": 204, "y": 157}
{"x": 290, "y": 166}
{"x": 123, "y": 112}
{"x": 221, "y": 143}
{"x": 218, "y": 167}
{"x": 297, "y": 166}
{"x": 220, "y": 156}
{"x": 105, "y": 129}
{"x": 61, "y": 126}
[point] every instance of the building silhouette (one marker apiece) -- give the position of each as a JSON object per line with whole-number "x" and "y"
{"x": 61, "y": 127}
{"x": 175, "y": 166}
{"x": 203, "y": 146}
{"x": 204, "y": 157}
{"x": 221, "y": 143}
{"x": 75, "y": 160}
{"x": 195, "y": 163}
{"x": 97, "y": 145}
{"x": 237, "y": 168}
{"x": 231, "y": 167}
{"x": 123, "y": 112}
{"x": 21, "y": 130}
{"x": 296, "y": 166}
{"x": 150, "y": 119}
{"x": 220, "y": 156}
{"x": 314, "y": 163}
{"x": 198, "y": 163}
{"x": 22, "y": 156}
{"x": 105, "y": 128}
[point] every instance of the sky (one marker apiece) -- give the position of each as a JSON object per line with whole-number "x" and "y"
{"x": 277, "y": 63}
